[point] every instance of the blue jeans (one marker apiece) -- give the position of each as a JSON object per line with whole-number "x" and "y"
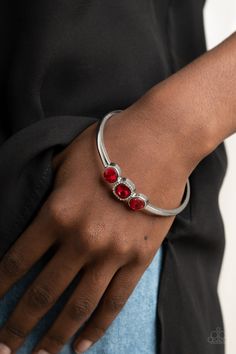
{"x": 133, "y": 331}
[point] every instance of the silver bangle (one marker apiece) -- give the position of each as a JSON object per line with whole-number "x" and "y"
{"x": 123, "y": 188}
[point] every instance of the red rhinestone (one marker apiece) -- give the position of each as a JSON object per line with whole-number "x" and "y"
{"x": 122, "y": 191}
{"x": 110, "y": 174}
{"x": 136, "y": 203}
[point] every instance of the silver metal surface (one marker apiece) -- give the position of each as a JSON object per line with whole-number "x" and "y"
{"x": 149, "y": 207}
{"x": 100, "y": 139}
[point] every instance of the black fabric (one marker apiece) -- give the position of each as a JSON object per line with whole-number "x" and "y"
{"x": 63, "y": 65}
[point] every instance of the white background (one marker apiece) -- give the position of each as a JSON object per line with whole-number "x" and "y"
{"x": 220, "y": 21}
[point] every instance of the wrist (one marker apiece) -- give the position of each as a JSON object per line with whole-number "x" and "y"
{"x": 171, "y": 119}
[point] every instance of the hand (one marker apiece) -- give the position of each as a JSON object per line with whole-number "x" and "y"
{"x": 95, "y": 233}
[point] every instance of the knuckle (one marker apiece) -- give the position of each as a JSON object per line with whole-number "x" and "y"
{"x": 97, "y": 278}
{"x": 92, "y": 240}
{"x": 79, "y": 311}
{"x": 39, "y": 298}
{"x": 95, "y": 229}
{"x": 13, "y": 264}
{"x": 15, "y": 331}
{"x": 115, "y": 303}
{"x": 91, "y": 234}
{"x": 121, "y": 249}
{"x": 61, "y": 213}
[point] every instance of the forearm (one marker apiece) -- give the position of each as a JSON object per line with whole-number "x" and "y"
{"x": 197, "y": 105}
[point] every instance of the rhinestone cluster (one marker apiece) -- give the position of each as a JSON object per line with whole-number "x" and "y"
{"x": 123, "y": 188}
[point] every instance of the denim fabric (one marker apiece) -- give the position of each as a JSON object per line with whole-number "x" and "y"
{"x": 132, "y": 332}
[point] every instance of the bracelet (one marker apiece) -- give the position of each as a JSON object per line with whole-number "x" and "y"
{"x": 123, "y": 188}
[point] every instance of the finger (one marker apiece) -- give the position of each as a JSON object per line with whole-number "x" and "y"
{"x": 112, "y": 302}
{"x": 38, "y": 299}
{"x": 80, "y": 306}
{"x": 26, "y": 251}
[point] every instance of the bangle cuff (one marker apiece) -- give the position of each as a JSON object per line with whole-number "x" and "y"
{"x": 123, "y": 188}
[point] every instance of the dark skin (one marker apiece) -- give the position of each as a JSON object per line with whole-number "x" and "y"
{"x": 97, "y": 234}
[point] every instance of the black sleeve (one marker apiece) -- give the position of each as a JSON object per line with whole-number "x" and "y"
{"x": 35, "y": 120}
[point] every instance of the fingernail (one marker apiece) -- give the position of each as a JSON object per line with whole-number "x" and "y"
{"x": 42, "y": 351}
{"x": 4, "y": 349}
{"x": 82, "y": 346}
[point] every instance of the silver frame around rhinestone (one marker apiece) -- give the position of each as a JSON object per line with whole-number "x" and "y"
{"x": 116, "y": 167}
{"x": 140, "y": 196}
{"x": 128, "y": 183}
